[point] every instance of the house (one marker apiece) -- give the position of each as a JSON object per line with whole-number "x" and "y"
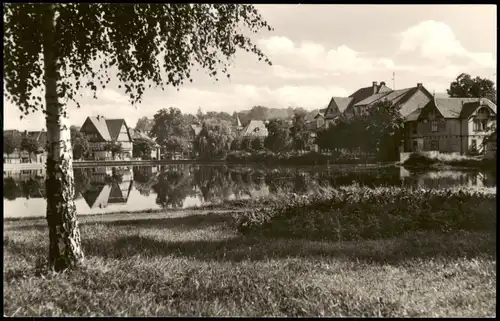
{"x": 40, "y": 156}
{"x": 22, "y": 156}
{"x": 138, "y": 134}
{"x": 409, "y": 99}
{"x": 101, "y": 132}
{"x": 106, "y": 191}
{"x": 450, "y": 125}
{"x": 315, "y": 119}
{"x": 256, "y": 128}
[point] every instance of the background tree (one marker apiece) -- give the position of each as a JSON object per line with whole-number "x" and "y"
{"x": 114, "y": 148}
{"x": 65, "y": 47}
{"x": 278, "y": 135}
{"x": 258, "y": 143}
{"x": 29, "y": 144}
{"x": 11, "y": 142}
{"x": 246, "y": 144}
{"x": 236, "y": 144}
{"x": 80, "y": 143}
{"x": 299, "y": 134}
{"x": 170, "y": 129}
{"x": 214, "y": 138}
{"x": 466, "y": 86}
{"x": 384, "y": 128}
{"x": 144, "y": 124}
{"x": 142, "y": 148}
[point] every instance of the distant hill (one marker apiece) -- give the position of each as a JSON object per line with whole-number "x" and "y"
{"x": 265, "y": 113}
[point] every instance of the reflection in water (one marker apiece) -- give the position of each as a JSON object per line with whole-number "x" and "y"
{"x": 105, "y": 189}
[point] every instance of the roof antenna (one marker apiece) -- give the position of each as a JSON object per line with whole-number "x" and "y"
{"x": 393, "y": 80}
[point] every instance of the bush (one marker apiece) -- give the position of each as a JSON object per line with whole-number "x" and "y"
{"x": 363, "y": 213}
{"x": 420, "y": 160}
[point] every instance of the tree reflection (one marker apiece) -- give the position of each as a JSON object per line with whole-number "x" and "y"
{"x": 172, "y": 187}
{"x": 11, "y": 189}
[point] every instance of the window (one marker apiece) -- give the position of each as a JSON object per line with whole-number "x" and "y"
{"x": 414, "y": 127}
{"x": 434, "y": 144}
{"x": 473, "y": 145}
{"x": 414, "y": 146}
{"x": 483, "y": 113}
{"x": 480, "y": 125}
{"x": 434, "y": 125}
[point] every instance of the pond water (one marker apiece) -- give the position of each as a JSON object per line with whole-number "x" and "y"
{"x": 139, "y": 188}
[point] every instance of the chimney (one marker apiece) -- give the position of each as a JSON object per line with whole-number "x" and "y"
{"x": 419, "y": 85}
{"x": 374, "y": 86}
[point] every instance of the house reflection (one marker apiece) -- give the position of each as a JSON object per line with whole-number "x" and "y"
{"x": 108, "y": 185}
{"x": 448, "y": 179}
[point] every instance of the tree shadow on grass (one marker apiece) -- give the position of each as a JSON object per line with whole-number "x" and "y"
{"x": 238, "y": 247}
{"x": 159, "y": 222}
{"x": 391, "y": 251}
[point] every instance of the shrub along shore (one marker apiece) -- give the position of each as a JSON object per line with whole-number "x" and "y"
{"x": 443, "y": 161}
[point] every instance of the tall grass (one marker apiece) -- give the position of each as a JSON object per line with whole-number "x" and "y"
{"x": 354, "y": 213}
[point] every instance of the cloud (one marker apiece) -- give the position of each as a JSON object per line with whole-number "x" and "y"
{"x": 437, "y": 42}
{"x": 228, "y": 98}
{"x": 313, "y": 56}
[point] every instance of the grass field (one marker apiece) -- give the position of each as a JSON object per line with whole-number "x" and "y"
{"x": 194, "y": 263}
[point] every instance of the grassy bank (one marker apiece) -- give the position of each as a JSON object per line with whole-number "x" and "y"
{"x": 195, "y": 264}
{"x": 444, "y": 161}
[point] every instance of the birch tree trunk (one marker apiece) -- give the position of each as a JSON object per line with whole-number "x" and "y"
{"x": 64, "y": 237}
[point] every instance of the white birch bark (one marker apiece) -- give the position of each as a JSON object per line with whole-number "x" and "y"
{"x": 64, "y": 237}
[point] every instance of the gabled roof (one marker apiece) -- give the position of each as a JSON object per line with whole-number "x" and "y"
{"x": 413, "y": 116}
{"x": 101, "y": 126}
{"x": 114, "y": 126}
{"x": 196, "y": 129}
{"x": 310, "y": 116}
{"x": 255, "y": 128}
{"x": 342, "y": 102}
{"x": 109, "y": 129}
{"x": 238, "y": 122}
{"x": 471, "y": 107}
{"x": 459, "y": 107}
{"x": 452, "y": 107}
{"x": 366, "y": 92}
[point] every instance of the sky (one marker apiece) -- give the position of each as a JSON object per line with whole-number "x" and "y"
{"x": 320, "y": 51}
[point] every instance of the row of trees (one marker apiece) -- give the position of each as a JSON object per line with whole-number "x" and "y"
{"x": 16, "y": 141}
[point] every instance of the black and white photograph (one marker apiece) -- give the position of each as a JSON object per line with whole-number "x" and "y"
{"x": 249, "y": 160}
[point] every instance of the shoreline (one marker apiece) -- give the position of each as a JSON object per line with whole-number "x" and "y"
{"x": 86, "y": 164}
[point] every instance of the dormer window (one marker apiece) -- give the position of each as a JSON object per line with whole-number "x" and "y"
{"x": 483, "y": 112}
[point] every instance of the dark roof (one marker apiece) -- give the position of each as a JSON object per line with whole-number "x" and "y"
{"x": 366, "y": 92}
{"x": 460, "y": 107}
{"x": 361, "y": 94}
{"x": 114, "y": 126}
{"x": 310, "y": 116}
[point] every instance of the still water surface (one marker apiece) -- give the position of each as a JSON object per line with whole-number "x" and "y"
{"x": 139, "y": 188}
